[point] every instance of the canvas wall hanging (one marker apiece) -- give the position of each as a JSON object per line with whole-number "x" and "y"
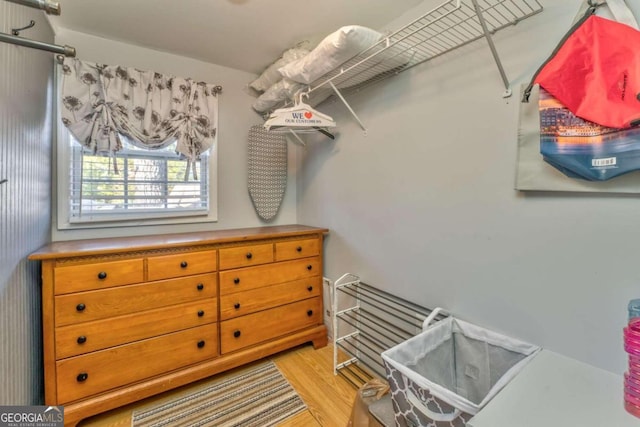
{"x": 586, "y": 116}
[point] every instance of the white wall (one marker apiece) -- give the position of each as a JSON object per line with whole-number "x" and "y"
{"x": 25, "y": 162}
{"x": 236, "y": 116}
{"x": 424, "y": 204}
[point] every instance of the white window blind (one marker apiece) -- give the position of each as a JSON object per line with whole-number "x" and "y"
{"x": 148, "y": 184}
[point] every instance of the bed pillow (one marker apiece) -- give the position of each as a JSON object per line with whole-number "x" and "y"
{"x": 280, "y": 92}
{"x": 271, "y": 75}
{"x": 332, "y": 51}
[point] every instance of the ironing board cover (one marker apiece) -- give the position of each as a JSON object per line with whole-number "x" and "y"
{"x": 267, "y": 170}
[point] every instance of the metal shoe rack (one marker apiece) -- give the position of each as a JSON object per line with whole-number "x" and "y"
{"x": 367, "y": 321}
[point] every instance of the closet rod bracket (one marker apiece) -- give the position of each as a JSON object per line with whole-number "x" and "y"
{"x": 344, "y": 101}
{"x": 298, "y": 139}
{"x": 492, "y": 47}
{"x": 16, "y": 31}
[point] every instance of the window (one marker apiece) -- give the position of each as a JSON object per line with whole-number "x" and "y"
{"x": 139, "y": 184}
{"x": 153, "y": 185}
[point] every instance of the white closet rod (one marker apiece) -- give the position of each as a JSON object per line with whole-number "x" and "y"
{"x": 50, "y": 7}
{"x": 34, "y": 44}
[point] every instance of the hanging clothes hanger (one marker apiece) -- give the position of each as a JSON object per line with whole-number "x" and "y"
{"x": 300, "y": 118}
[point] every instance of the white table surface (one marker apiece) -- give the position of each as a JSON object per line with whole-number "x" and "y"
{"x": 554, "y": 390}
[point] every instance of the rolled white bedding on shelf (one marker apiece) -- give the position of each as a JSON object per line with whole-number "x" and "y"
{"x": 284, "y": 90}
{"x": 271, "y": 75}
{"x": 341, "y": 49}
{"x": 335, "y": 49}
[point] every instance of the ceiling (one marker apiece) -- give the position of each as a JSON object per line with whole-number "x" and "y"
{"x": 242, "y": 34}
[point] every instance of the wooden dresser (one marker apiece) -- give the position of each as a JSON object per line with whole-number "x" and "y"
{"x": 127, "y": 318}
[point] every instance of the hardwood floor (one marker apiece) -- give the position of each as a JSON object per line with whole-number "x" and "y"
{"x": 328, "y": 397}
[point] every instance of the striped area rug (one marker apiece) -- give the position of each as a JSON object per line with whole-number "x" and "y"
{"x": 257, "y": 397}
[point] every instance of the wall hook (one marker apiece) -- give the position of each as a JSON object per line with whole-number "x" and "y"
{"x": 2, "y": 181}
{"x": 16, "y": 31}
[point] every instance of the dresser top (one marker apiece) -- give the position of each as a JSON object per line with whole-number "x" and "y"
{"x": 131, "y": 244}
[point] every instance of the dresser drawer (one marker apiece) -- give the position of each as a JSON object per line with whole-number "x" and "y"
{"x": 82, "y": 376}
{"x": 295, "y": 249}
{"x": 243, "y": 279}
{"x": 73, "y": 340}
{"x": 264, "y": 325}
{"x": 104, "y": 303}
{"x": 179, "y": 265}
{"x": 74, "y": 278}
{"x": 241, "y": 303}
{"x": 244, "y": 256}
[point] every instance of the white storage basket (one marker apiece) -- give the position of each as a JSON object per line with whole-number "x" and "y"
{"x": 446, "y": 374}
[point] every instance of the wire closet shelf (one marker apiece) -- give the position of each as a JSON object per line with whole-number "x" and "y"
{"x": 452, "y": 24}
{"x": 367, "y": 321}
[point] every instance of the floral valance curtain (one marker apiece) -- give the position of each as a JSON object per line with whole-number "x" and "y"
{"x": 101, "y": 103}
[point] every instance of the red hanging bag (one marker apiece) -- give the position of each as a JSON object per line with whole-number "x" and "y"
{"x": 595, "y": 71}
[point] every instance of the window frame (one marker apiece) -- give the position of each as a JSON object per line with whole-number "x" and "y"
{"x": 63, "y": 159}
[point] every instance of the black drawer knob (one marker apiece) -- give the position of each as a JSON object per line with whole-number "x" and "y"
{"x": 236, "y": 334}
{"x": 200, "y": 286}
{"x": 309, "y": 267}
{"x": 249, "y": 255}
{"x": 102, "y": 275}
{"x": 236, "y": 280}
{"x": 82, "y": 377}
{"x": 200, "y": 313}
{"x": 80, "y": 307}
{"x": 236, "y": 305}
{"x": 81, "y": 339}
{"x": 184, "y": 264}
{"x": 299, "y": 249}
{"x": 200, "y": 343}
{"x": 309, "y": 313}
{"x": 309, "y": 288}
